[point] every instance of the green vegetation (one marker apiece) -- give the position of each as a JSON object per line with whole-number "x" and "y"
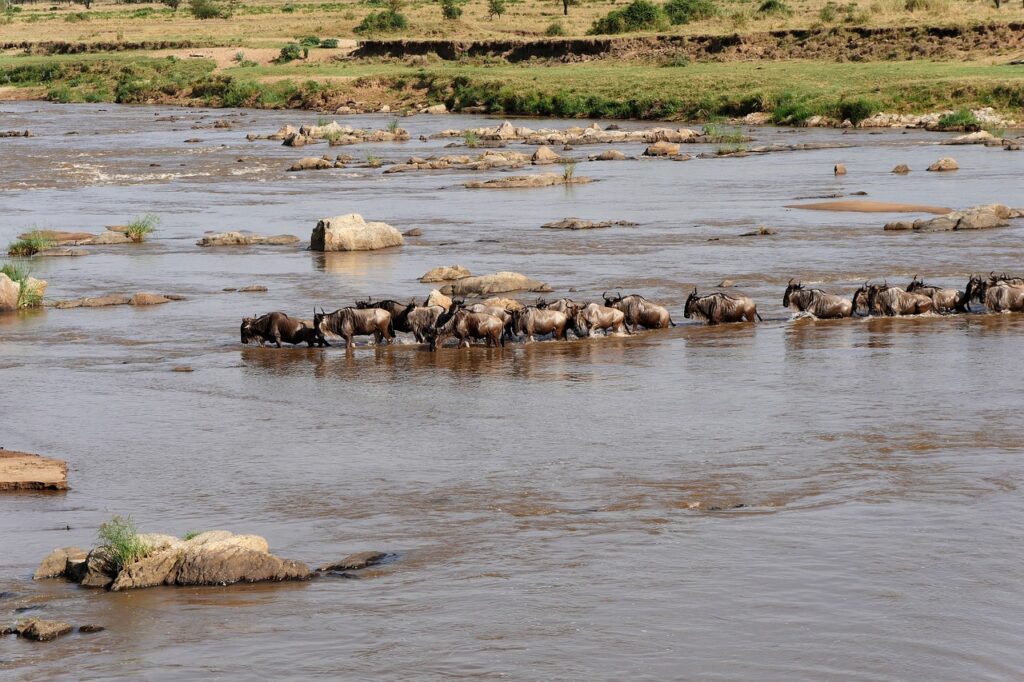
{"x": 472, "y": 139}
{"x": 309, "y": 41}
{"x": 329, "y": 43}
{"x": 569, "y": 172}
{"x": 731, "y": 149}
{"x": 639, "y": 15}
{"x": 720, "y": 135}
{"x": 141, "y": 226}
{"x": 385, "y": 21}
{"x": 555, "y": 29}
{"x": 495, "y": 8}
{"x": 28, "y": 296}
{"x": 775, "y": 7}
{"x": 686, "y": 11}
{"x": 450, "y": 9}
{"x": 392, "y": 126}
{"x": 120, "y": 537}
{"x": 963, "y": 119}
{"x": 289, "y": 52}
{"x": 995, "y": 131}
{"x": 191, "y": 534}
{"x": 29, "y": 245}
{"x": 210, "y": 9}
{"x": 373, "y": 161}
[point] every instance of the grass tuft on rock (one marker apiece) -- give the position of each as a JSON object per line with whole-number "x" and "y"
{"x": 29, "y": 245}
{"x": 28, "y": 296}
{"x": 963, "y": 119}
{"x": 121, "y": 538}
{"x": 141, "y": 226}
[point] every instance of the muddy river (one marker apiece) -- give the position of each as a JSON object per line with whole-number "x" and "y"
{"x": 560, "y": 510}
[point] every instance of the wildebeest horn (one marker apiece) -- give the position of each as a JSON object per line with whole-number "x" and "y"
{"x": 790, "y": 281}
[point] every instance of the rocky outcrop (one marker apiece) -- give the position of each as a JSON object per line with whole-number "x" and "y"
{"x": 502, "y": 302}
{"x": 609, "y": 155}
{"x": 107, "y": 237}
{"x": 944, "y": 164}
{"x": 580, "y": 224}
{"x": 975, "y": 218}
{"x": 445, "y": 273}
{"x": 332, "y": 132}
{"x": 544, "y": 156}
{"x": 312, "y": 163}
{"x": 246, "y": 239}
{"x": 23, "y": 471}
{"x": 489, "y": 160}
{"x": 528, "y": 181}
{"x": 42, "y": 630}
{"x": 9, "y": 291}
{"x": 352, "y": 233}
{"x": 662, "y": 149}
{"x": 499, "y": 282}
{"x": 141, "y": 298}
{"x": 145, "y": 298}
{"x": 59, "y": 237}
{"x": 16, "y": 133}
{"x": 979, "y": 137}
{"x": 437, "y": 298}
{"x": 56, "y": 562}
{"x": 901, "y": 169}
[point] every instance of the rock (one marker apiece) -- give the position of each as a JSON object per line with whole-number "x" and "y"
{"x": 840, "y": 169}
{"x": 762, "y": 231}
{"x": 90, "y": 629}
{"x": 609, "y": 155}
{"x": 899, "y": 225}
{"x": 246, "y": 239}
{"x": 506, "y": 303}
{"x": 944, "y": 164}
{"x": 76, "y": 568}
{"x": 108, "y": 237}
{"x": 544, "y": 156}
{"x": 445, "y": 273}
{"x": 53, "y": 253}
{"x": 144, "y": 298}
{"x": 99, "y": 569}
{"x": 524, "y": 181}
{"x": 901, "y": 169}
{"x": 352, "y": 233}
{"x": 662, "y": 149}
{"x": 253, "y": 288}
{"x": 225, "y": 563}
{"x": 311, "y": 163}
{"x": 980, "y": 137}
{"x": 497, "y": 283}
{"x": 506, "y": 131}
{"x": 437, "y": 298}
{"x": 414, "y": 232}
{"x": 435, "y": 109}
{"x": 182, "y": 368}
{"x": 579, "y": 224}
{"x": 354, "y": 562}
{"x": 974, "y": 218}
{"x": 9, "y": 291}
{"x": 726, "y": 283}
{"x": 23, "y": 471}
{"x": 42, "y": 630}
{"x": 59, "y": 237}
{"x": 757, "y": 118}
{"x": 150, "y": 571}
{"x": 54, "y": 565}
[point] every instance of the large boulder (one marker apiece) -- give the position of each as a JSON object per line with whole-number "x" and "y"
{"x": 446, "y": 273}
{"x": 609, "y": 155}
{"x": 437, "y": 298}
{"x": 56, "y": 563}
{"x": 499, "y": 282}
{"x": 352, "y": 233}
{"x": 311, "y": 163}
{"x": 234, "y": 560}
{"x": 946, "y": 163}
{"x": 662, "y": 149}
{"x": 974, "y": 218}
{"x": 42, "y": 630}
{"x": 544, "y": 156}
{"x": 9, "y": 290}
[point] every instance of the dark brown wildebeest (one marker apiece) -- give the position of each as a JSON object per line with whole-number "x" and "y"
{"x": 943, "y": 300}
{"x": 465, "y": 325}
{"x": 277, "y": 327}
{"x": 816, "y": 302}
{"x": 894, "y": 302}
{"x": 720, "y": 308}
{"x": 532, "y": 320}
{"x": 639, "y": 311}
{"x": 597, "y": 316}
{"x": 398, "y": 311}
{"x": 350, "y": 322}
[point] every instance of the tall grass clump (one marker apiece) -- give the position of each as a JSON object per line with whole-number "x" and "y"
{"x": 555, "y": 29}
{"x": 963, "y": 119}
{"x": 858, "y": 109}
{"x": 472, "y": 139}
{"x": 450, "y": 10}
{"x": 29, "y": 244}
{"x": 141, "y": 226}
{"x": 685, "y": 11}
{"x": 719, "y": 135}
{"x": 569, "y": 172}
{"x": 393, "y": 126}
{"x": 639, "y": 15}
{"x": 209, "y": 9}
{"x": 774, "y": 8}
{"x": 28, "y": 296}
{"x": 120, "y": 538}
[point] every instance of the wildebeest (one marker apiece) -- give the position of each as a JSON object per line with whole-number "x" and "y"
{"x": 399, "y": 316}
{"x": 533, "y": 320}
{"x": 718, "y": 308}
{"x": 597, "y": 316}
{"x": 465, "y": 325}
{"x": 351, "y": 322}
{"x": 421, "y": 319}
{"x": 943, "y": 300}
{"x": 639, "y": 311}
{"x": 894, "y": 302}
{"x": 277, "y": 327}
{"x": 1003, "y": 297}
{"x": 816, "y": 302}
{"x": 565, "y": 305}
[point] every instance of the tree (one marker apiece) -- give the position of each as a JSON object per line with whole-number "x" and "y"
{"x": 495, "y": 8}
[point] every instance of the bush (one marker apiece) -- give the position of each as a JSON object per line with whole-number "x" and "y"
{"x": 385, "y": 21}
{"x": 450, "y": 10}
{"x": 121, "y": 538}
{"x": 140, "y": 226}
{"x": 637, "y": 16}
{"x": 829, "y": 12}
{"x": 173, "y": 4}
{"x": 289, "y": 52}
{"x": 963, "y": 119}
{"x": 857, "y": 109}
{"x": 685, "y": 11}
{"x": 209, "y": 9}
{"x": 495, "y": 8}
{"x": 555, "y": 29}
{"x": 309, "y": 41}
{"x": 29, "y": 245}
{"x": 329, "y": 43}
{"x": 774, "y": 7}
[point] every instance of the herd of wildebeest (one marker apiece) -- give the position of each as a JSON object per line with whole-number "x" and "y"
{"x": 496, "y": 325}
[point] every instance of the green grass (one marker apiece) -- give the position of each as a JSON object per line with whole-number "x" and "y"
{"x": 963, "y": 119}
{"x": 569, "y": 172}
{"x": 393, "y": 125}
{"x": 28, "y": 297}
{"x": 141, "y": 226}
{"x": 191, "y": 534}
{"x": 639, "y": 15}
{"x": 373, "y": 161}
{"x": 472, "y": 139}
{"x": 121, "y": 538}
{"x": 29, "y": 245}
{"x": 718, "y": 134}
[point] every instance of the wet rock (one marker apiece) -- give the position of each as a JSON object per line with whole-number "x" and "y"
{"x": 60, "y": 237}
{"x": 100, "y": 569}
{"x": 24, "y": 471}
{"x": 311, "y": 163}
{"x": 90, "y": 629}
{"x": 42, "y": 630}
{"x": 974, "y": 218}
{"x": 944, "y": 164}
{"x": 246, "y": 239}
{"x": 355, "y": 562}
{"x": 16, "y": 133}
{"x": 499, "y": 282}
{"x": 352, "y": 233}
{"x": 527, "y": 181}
{"x": 145, "y": 298}
{"x": 55, "y": 253}
{"x": 445, "y": 273}
{"x": 193, "y": 140}
{"x": 435, "y": 109}
{"x": 609, "y": 155}
{"x": 414, "y": 232}
{"x": 899, "y": 226}
{"x": 182, "y": 368}
{"x": 544, "y": 156}
{"x": 9, "y": 291}
{"x": 56, "y": 563}
{"x": 840, "y": 169}
{"x": 253, "y": 288}
{"x": 227, "y": 562}
{"x": 437, "y": 298}
{"x": 762, "y": 231}
{"x": 980, "y": 137}
{"x": 662, "y": 149}
{"x": 108, "y": 237}
{"x": 726, "y": 283}
{"x": 149, "y": 571}
{"x": 580, "y": 224}
{"x": 506, "y": 303}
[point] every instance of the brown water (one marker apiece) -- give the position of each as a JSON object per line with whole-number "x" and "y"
{"x": 560, "y": 510}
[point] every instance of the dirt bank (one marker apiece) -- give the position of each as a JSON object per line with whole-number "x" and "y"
{"x": 22, "y": 471}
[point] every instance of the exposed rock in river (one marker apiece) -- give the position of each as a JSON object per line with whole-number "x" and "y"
{"x": 246, "y": 239}
{"x": 354, "y": 562}
{"x": 944, "y": 164}
{"x": 141, "y": 298}
{"x": 499, "y": 282}
{"x": 9, "y": 291}
{"x": 23, "y": 471}
{"x": 975, "y": 218}
{"x": 352, "y": 233}
{"x": 580, "y": 224}
{"x": 488, "y": 160}
{"x": 592, "y": 134}
{"x": 437, "y": 298}
{"x": 446, "y": 273}
{"x": 524, "y": 181}
{"x": 42, "y": 630}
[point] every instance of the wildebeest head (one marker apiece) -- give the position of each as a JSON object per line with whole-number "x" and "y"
{"x": 541, "y": 303}
{"x": 248, "y": 329}
{"x": 860, "y": 296}
{"x": 579, "y": 323}
{"x": 368, "y": 303}
{"x": 793, "y": 286}
{"x": 915, "y": 285}
{"x": 691, "y": 303}
{"x": 318, "y": 318}
{"x": 611, "y": 300}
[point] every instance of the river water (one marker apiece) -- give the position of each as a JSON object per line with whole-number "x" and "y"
{"x": 559, "y": 510}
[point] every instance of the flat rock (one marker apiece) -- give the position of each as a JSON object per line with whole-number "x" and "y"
{"x": 352, "y": 233}
{"x": 580, "y": 224}
{"x": 246, "y": 239}
{"x": 42, "y": 630}
{"x": 355, "y": 562}
{"x": 253, "y": 288}
{"x": 446, "y": 273}
{"x": 944, "y": 164}
{"x": 662, "y": 149}
{"x": 23, "y": 471}
{"x": 974, "y": 218}
{"x": 90, "y": 629}
{"x": 527, "y": 181}
{"x": 55, "y": 253}
{"x": 144, "y": 298}
{"x": 60, "y": 237}
{"x": 980, "y": 137}
{"x": 108, "y": 237}
{"x": 56, "y": 562}
{"x": 499, "y": 282}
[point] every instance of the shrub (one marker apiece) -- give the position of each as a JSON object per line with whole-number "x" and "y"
{"x": 393, "y": 125}
{"x": 639, "y": 15}
{"x": 309, "y": 41}
{"x": 239, "y": 57}
{"x": 774, "y": 7}
{"x": 963, "y": 119}
{"x": 450, "y": 9}
{"x": 76, "y": 17}
{"x": 373, "y": 161}
{"x": 677, "y": 60}
{"x": 289, "y": 52}
{"x": 495, "y": 8}
{"x": 829, "y": 12}
{"x": 208, "y": 9}
{"x": 555, "y": 29}
{"x": 28, "y": 297}
{"x": 121, "y": 538}
{"x": 857, "y": 109}
{"x": 329, "y": 43}
{"x": 685, "y": 11}
{"x": 140, "y": 226}
{"x": 472, "y": 139}
{"x": 569, "y": 172}
{"x": 173, "y": 4}
{"x": 382, "y": 22}
{"x": 29, "y": 245}
{"x": 926, "y": 5}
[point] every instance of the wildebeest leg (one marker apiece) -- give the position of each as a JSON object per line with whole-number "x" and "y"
{"x": 350, "y": 342}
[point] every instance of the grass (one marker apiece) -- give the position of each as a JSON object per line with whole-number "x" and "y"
{"x": 720, "y": 135}
{"x": 140, "y": 226}
{"x": 121, "y": 538}
{"x": 472, "y": 139}
{"x": 29, "y": 245}
{"x": 191, "y": 534}
{"x": 731, "y": 149}
{"x": 373, "y": 161}
{"x": 569, "y": 172}
{"x": 393, "y": 126}
{"x": 962, "y": 119}
{"x": 28, "y": 296}
{"x": 639, "y": 15}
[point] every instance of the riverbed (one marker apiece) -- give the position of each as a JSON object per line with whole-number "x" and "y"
{"x": 796, "y": 499}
